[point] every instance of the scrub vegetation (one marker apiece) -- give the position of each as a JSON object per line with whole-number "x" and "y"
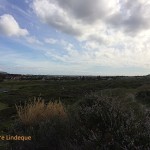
{"x": 77, "y": 115}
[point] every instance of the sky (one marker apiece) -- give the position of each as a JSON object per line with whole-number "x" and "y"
{"x": 74, "y": 37}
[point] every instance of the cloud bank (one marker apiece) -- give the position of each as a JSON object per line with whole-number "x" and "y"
{"x": 75, "y": 17}
{"x": 114, "y": 33}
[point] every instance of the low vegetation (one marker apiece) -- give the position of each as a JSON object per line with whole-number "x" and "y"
{"x": 76, "y": 114}
{"x": 96, "y": 122}
{"x": 3, "y": 106}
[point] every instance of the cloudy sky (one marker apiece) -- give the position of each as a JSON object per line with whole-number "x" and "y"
{"x": 75, "y": 37}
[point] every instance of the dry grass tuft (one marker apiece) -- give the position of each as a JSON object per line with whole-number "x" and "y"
{"x": 37, "y": 111}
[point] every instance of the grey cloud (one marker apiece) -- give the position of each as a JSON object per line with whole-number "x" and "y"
{"x": 132, "y": 18}
{"x": 63, "y": 27}
{"x": 54, "y": 15}
{"x": 72, "y": 16}
{"x": 86, "y": 10}
{"x": 98, "y": 39}
{"x": 135, "y": 24}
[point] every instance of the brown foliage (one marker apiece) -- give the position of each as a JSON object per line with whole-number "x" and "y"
{"x": 37, "y": 111}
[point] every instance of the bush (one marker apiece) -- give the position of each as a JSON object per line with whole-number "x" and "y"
{"x": 143, "y": 96}
{"x": 107, "y": 123}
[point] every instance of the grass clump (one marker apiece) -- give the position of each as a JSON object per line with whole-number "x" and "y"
{"x": 37, "y": 111}
{"x": 46, "y": 123}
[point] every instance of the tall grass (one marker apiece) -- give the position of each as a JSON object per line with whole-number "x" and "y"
{"x": 37, "y": 111}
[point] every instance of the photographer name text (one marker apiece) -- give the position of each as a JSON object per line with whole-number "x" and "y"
{"x": 15, "y": 138}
